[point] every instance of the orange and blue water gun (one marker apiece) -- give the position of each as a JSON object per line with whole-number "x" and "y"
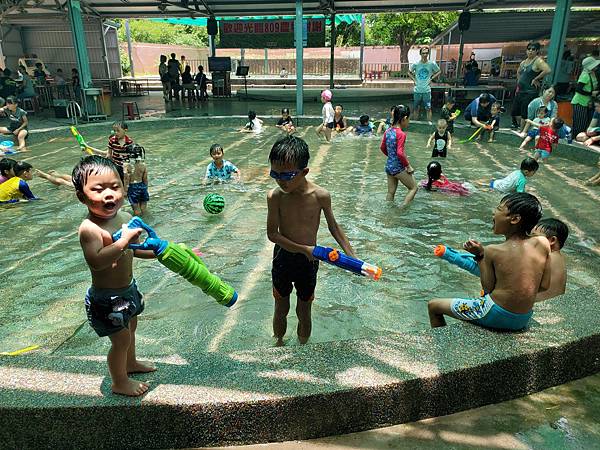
{"x": 340, "y": 259}
{"x": 464, "y": 260}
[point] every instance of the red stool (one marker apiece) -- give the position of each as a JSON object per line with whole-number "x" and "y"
{"x": 131, "y": 110}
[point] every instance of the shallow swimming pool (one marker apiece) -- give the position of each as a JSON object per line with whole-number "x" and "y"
{"x": 43, "y": 276}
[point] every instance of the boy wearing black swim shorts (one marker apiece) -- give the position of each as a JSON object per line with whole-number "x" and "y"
{"x": 113, "y": 301}
{"x": 294, "y": 214}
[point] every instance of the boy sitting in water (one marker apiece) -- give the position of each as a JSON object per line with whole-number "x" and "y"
{"x": 113, "y": 302}
{"x": 365, "y": 128}
{"x": 512, "y": 273}
{"x": 286, "y": 123}
{"x": 16, "y": 188}
{"x": 556, "y": 231}
{"x": 220, "y": 169}
{"x": 294, "y": 214}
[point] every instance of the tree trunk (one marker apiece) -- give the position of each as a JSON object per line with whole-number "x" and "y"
{"x": 404, "y": 48}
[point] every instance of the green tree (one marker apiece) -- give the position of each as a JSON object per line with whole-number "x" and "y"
{"x": 347, "y": 34}
{"x": 406, "y": 29}
{"x": 164, "y": 33}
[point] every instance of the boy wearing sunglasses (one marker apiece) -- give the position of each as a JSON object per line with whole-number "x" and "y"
{"x": 294, "y": 214}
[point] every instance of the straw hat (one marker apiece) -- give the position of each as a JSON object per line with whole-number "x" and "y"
{"x": 590, "y": 63}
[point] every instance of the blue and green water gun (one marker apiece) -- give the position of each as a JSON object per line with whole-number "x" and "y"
{"x": 465, "y": 261}
{"x": 180, "y": 259}
{"x": 340, "y": 259}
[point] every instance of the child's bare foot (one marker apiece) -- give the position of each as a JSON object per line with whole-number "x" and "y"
{"x": 130, "y": 388}
{"x": 140, "y": 367}
{"x": 490, "y": 140}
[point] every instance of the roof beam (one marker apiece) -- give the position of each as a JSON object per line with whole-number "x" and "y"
{"x": 9, "y": 6}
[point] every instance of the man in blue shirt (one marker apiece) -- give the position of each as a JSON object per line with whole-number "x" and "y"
{"x": 423, "y": 73}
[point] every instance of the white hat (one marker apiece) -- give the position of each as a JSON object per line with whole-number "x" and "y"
{"x": 590, "y": 63}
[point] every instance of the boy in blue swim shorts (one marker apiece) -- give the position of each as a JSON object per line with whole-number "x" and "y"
{"x": 512, "y": 273}
{"x": 113, "y": 301}
{"x": 136, "y": 179}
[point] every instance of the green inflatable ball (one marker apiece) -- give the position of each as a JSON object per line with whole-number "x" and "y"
{"x": 214, "y": 203}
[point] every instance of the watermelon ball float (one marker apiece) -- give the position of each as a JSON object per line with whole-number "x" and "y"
{"x": 214, "y": 203}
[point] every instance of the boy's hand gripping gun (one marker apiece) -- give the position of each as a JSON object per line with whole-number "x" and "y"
{"x": 465, "y": 261}
{"x": 337, "y": 258}
{"x": 81, "y": 141}
{"x": 183, "y": 261}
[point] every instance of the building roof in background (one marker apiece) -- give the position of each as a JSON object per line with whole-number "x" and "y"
{"x": 28, "y": 11}
{"x": 514, "y": 26}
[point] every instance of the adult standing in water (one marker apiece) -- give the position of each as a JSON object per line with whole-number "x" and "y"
{"x": 531, "y": 73}
{"x": 423, "y": 73}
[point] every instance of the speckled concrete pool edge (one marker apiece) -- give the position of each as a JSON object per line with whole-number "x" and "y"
{"x": 276, "y": 394}
{"x": 576, "y": 152}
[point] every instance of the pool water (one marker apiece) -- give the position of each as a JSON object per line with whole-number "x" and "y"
{"x": 43, "y": 277}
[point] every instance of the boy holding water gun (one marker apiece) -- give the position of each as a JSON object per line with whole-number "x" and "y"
{"x": 512, "y": 273}
{"x": 113, "y": 302}
{"x": 294, "y": 214}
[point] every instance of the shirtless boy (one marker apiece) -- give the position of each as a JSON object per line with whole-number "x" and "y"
{"x": 512, "y": 273}
{"x": 557, "y": 232}
{"x": 294, "y": 214}
{"x": 113, "y": 302}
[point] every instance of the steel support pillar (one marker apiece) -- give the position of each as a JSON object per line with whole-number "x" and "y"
{"x": 560, "y": 25}
{"x": 298, "y": 28}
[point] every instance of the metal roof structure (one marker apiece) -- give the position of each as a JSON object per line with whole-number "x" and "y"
{"x": 509, "y": 26}
{"x": 25, "y": 11}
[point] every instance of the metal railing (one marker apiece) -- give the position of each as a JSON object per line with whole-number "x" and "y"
{"x": 272, "y": 67}
{"x": 383, "y": 71}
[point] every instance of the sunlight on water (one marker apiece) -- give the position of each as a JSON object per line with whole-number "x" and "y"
{"x": 43, "y": 276}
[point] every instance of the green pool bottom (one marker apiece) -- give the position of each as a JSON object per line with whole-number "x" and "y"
{"x": 227, "y": 395}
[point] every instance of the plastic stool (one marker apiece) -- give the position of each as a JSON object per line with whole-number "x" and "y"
{"x": 132, "y": 110}
{"x": 30, "y": 104}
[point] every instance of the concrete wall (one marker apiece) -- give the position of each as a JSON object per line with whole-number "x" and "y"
{"x": 10, "y": 41}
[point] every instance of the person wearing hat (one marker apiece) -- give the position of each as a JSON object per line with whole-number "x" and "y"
{"x": 586, "y": 89}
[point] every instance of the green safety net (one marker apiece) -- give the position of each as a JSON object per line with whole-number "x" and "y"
{"x": 201, "y": 22}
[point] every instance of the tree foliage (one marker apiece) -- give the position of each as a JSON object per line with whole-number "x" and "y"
{"x": 347, "y": 34}
{"x": 406, "y": 29}
{"x": 403, "y": 29}
{"x": 164, "y": 33}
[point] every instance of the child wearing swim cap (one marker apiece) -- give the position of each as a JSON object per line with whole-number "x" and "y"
{"x": 328, "y": 114}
